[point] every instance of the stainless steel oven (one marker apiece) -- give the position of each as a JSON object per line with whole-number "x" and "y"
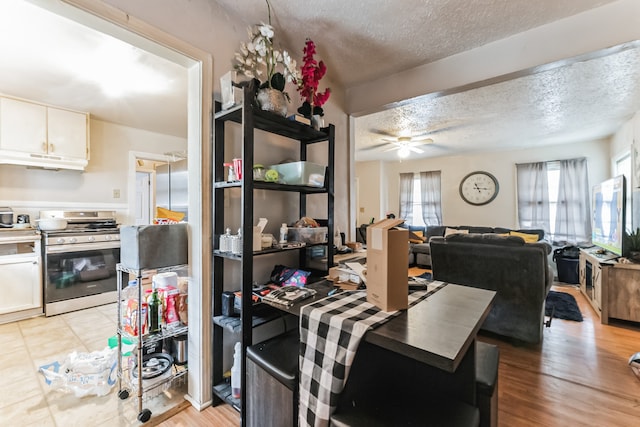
{"x": 79, "y": 262}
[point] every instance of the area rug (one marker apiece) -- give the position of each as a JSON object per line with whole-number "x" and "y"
{"x": 418, "y": 272}
{"x": 562, "y": 306}
{"x": 426, "y": 276}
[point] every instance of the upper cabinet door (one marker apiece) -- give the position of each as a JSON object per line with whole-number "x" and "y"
{"x": 67, "y": 133}
{"x": 23, "y": 126}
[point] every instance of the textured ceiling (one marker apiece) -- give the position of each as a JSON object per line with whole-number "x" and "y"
{"x": 362, "y": 40}
{"x": 578, "y": 101}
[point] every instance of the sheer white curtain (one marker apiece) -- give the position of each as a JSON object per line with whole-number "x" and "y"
{"x": 533, "y": 196}
{"x": 406, "y": 197}
{"x": 573, "y": 215}
{"x": 431, "y": 197}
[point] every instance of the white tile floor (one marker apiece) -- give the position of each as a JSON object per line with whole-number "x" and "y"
{"x": 26, "y": 399}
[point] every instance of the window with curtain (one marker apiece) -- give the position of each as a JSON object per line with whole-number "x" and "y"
{"x": 554, "y": 196}
{"x": 430, "y": 198}
{"x": 424, "y": 207}
{"x": 406, "y": 197}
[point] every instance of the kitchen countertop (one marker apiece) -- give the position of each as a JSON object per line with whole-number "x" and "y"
{"x": 19, "y": 233}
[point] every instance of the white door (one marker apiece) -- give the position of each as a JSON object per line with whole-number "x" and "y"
{"x": 143, "y": 199}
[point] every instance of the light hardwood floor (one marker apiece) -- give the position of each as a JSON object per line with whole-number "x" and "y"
{"x": 578, "y": 376}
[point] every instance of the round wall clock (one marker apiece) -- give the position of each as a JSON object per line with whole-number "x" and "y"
{"x": 479, "y": 188}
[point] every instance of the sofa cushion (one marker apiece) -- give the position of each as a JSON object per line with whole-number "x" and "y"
{"x": 527, "y": 237}
{"x": 486, "y": 239}
{"x": 434, "y": 230}
{"x": 501, "y": 230}
{"x": 480, "y": 230}
{"x": 450, "y": 231}
{"x": 419, "y": 234}
{"x": 537, "y": 231}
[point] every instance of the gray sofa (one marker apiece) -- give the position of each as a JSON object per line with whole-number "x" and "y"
{"x": 421, "y": 252}
{"x": 519, "y": 272}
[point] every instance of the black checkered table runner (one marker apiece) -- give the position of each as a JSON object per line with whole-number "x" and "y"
{"x": 330, "y": 332}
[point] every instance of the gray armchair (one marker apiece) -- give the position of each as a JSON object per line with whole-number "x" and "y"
{"x": 519, "y": 272}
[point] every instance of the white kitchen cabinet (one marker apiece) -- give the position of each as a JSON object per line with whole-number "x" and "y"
{"x": 67, "y": 133}
{"x": 20, "y": 276}
{"x": 20, "y": 284}
{"x": 23, "y": 126}
{"x": 38, "y": 135}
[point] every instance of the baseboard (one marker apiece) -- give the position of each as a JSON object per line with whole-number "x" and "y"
{"x": 199, "y": 406}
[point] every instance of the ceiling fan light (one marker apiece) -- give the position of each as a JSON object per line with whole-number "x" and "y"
{"x": 403, "y": 152}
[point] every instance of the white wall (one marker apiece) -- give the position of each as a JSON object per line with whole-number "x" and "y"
{"x": 369, "y": 202}
{"x": 503, "y": 210}
{"x": 30, "y": 190}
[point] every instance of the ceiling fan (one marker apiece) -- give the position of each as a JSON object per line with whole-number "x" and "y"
{"x": 405, "y": 145}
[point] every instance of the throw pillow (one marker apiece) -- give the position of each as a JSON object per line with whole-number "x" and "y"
{"x": 528, "y": 238}
{"x": 418, "y": 234}
{"x": 450, "y": 231}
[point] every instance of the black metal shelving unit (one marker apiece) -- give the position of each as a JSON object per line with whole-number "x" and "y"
{"x": 251, "y": 118}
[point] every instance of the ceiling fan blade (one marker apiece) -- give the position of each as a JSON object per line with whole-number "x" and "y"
{"x": 415, "y": 150}
{"x": 392, "y": 148}
{"x": 382, "y": 132}
{"x": 373, "y": 147}
{"x": 390, "y": 141}
{"x": 422, "y": 140}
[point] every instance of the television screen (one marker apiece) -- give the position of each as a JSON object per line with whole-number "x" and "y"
{"x": 608, "y": 214}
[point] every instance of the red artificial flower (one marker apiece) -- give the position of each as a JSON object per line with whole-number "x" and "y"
{"x": 312, "y": 72}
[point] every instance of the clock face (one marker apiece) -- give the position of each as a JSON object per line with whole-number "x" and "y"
{"x": 479, "y": 188}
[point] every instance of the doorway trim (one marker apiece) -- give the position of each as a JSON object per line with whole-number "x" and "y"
{"x": 199, "y": 64}
{"x": 134, "y": 157}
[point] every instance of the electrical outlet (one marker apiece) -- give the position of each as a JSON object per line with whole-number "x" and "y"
{"x": 361, "y": 210}
{"x": 116, "y": 193}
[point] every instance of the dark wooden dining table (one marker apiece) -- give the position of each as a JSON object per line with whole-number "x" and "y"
{"x": 427, "y": 350}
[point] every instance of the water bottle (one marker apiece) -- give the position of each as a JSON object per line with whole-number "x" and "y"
{"x": 131, "y": 291}
{"x": 283, "y": 233}
{"x": 236, "y": 371}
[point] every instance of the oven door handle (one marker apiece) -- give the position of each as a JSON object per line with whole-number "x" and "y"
{"x": 56, "y": 249}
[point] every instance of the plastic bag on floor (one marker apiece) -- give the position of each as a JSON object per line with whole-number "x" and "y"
{"x": 83, "y": 373}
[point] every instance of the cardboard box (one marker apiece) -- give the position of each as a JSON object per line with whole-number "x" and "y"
{"x": 387, "y": 260}
{"x": 344, "y": 278}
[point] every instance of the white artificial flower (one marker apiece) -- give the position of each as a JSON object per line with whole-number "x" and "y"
{"x": 266, "y": 30}
{"x": 261, "y": 49}
{"x": 259, "y": 58}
